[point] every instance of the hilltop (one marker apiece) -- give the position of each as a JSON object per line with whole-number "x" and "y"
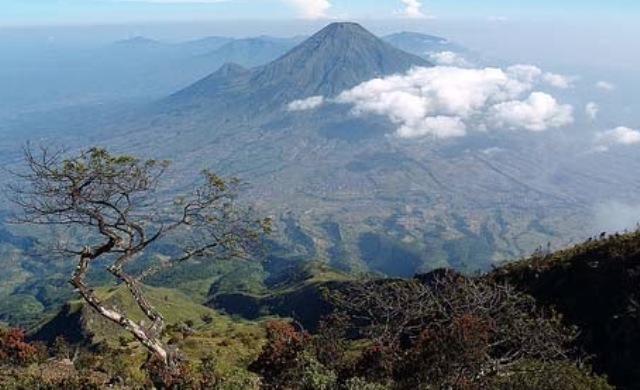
{"x": 596, "y": 287}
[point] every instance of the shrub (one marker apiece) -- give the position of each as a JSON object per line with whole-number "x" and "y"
{"x": 14, "y": 350}
{"x": 282, "y": 362}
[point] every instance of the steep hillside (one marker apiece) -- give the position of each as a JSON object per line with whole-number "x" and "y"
{"x": 79, "y": 323}
{"x": 296, "y": 292}
{"x": 595, "y": 286}
{"x": 196, "y": 330}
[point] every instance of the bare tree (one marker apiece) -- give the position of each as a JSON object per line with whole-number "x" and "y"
{"x": 451, "y": 328}
{"x": 113, "y": 203}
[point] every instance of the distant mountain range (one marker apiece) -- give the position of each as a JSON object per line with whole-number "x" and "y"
{"x": 138, "y": 67}
{"x": 251, "y": 52}
{"x": 419, "y": 44}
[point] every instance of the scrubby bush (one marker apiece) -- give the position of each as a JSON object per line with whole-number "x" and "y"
{"x": 14, "y": 350}
{"x": 444, "y": 332}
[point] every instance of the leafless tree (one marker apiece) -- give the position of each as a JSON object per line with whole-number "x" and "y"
{"x": 411, "y": 317}
{"x": 113, "y": 204}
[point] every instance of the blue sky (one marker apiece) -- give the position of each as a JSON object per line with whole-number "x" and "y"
{"x": 62, "y": 12}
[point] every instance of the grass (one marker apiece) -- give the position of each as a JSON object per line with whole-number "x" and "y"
{"x": 196, "y": 330}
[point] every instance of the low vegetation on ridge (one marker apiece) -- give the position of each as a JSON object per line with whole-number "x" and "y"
{"x": 558, "y": 320}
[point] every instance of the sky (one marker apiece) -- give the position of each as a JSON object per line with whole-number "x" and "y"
{"x": 561, "y": 34}
{"x": 70, "y": 12}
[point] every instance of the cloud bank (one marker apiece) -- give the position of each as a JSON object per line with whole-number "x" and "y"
{"x": 412, "y": 9}
{"x": 557, "y": 80}
{"x": 591, "y": 110}
{"x": 605, "y": 86}
{"x": 445, "y": 102}
{"x": 311, "y": 9}
{"x": 306, "y": 104}
{"x": 538, "y": 112}
{"x": 449, "y": 58}
{"x": 619, "y": 136}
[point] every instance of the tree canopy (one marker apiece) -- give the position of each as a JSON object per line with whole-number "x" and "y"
{"x": 117, "y": 210}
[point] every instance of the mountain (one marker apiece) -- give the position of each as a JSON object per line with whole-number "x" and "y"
{"x": 251, "y": 52}
{"x": 138, "y": 68}
{"x": 203, "y": 46}
{"x": 138, "y": 43}
{"x": 339, "y": 57}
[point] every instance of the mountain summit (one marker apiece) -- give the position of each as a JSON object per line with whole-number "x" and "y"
{"x": 339, "y": 57}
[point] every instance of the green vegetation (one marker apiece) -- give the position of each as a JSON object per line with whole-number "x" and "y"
{"x": 113, "y": 204}
{"x": 563, "y": 320}
{"x": 595, "y": 287}
{"x": 443, "y": 331}
{"x": 221, "y": 346}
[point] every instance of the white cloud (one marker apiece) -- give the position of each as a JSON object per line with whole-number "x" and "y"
{"x": 449, "y": 58}
{"x": 491, "y": 151}
{"x": 413, "y": 9}
{"x": 435, "y": 126}
{"x": 591, "y": 109}
{"x": 311, "y": 9}
{"x": 557, "y": 80}
{"x": 539, "y": 112}
{"x": 526, "y": 73}
{"x": 619, "y": 136}
{"x": 605, "y": 86}
{"x": 448, "y": 101}
{"x": 306, "y": 104}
